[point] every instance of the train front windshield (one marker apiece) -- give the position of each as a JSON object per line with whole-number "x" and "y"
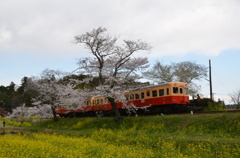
{"x": 180, "y": 90}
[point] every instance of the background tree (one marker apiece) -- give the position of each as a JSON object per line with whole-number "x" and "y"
{"x": 23, "y": 96}
{"x": 6, "y": 96}
{"x": 160, "y": 73}
{"x": 114, "y": 65}
{"x": 185, "y": 71}
{"x": 189, "y": 72}
{"x": 13, "y": 96}
{"x": 235, "y": 98}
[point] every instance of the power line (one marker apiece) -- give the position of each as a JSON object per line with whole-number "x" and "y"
{"x": 220, "y": 81}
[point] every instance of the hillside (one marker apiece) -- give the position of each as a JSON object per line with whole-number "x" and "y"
{"x": 211, "y": 135}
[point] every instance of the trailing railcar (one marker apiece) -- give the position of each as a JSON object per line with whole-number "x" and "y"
{"x": 169, "y": 97}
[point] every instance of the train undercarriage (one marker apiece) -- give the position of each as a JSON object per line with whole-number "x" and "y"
{"x": 154, "y": 110}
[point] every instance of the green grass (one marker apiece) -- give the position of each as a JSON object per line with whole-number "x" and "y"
{"x": 215, "y": 125}
{"x": 211, "y": 135}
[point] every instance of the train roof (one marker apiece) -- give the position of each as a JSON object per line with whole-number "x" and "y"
{"x": 164, "y": 83}
{"x": 145, "y": 87}
{"x": 152, "y": 86}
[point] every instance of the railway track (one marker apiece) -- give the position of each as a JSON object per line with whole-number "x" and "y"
{"x": 207, "y": 112}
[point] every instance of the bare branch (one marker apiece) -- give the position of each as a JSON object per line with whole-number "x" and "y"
{"x": 114, "y": 64}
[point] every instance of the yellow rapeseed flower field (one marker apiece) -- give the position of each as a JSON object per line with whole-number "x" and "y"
{"x": 33, "y": 145}
{"x": 46, "y": 145}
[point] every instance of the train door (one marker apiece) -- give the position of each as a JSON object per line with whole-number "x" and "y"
{"x": 181, "y": 93}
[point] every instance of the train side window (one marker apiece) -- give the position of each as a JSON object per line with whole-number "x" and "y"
{"x": 106, "y": 100}
{"x": 185, "y": 90}
{"x": 137, "y": 96}
{"x": 161, "y": 92}
{"x": 175, "y": 90}
{"x": 167, "y": 91}
{"x": 148, "y": 93}
{"x": 181, "y": 91}
{"x": 142, "y": 95}
{"x": 131, "y": 96}
{"x": 154, "y": 93}
{"x": 127, "y": 97}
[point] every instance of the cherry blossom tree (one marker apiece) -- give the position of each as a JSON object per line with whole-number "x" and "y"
{"x": 52, "y": 91}
{"x": 114, "y": 65}
{"x": 23, "y": 111}
{"x": 20, "y": 111}
{"x": 50, "y": 95}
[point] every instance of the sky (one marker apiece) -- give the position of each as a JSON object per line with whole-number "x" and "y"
{"x": 36, "y": 35}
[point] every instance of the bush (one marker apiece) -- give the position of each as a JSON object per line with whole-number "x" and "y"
{"x": 215, "y": 106}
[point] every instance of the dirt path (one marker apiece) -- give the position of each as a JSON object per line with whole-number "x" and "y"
{"x": 6, "y": 125}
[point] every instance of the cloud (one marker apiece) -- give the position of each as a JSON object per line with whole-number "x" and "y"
{"x": 208, "y": 27}
{"x": 172, "y": 27}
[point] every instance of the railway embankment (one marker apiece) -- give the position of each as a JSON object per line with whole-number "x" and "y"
{"x": 208, "y": 135}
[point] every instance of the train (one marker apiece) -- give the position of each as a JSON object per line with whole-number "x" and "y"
{"x": 171, "y": 97}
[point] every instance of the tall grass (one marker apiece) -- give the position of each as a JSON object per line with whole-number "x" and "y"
{"x": 215, "y": 125}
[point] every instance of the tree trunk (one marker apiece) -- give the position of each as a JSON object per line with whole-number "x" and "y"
{"x": 54, "y": 114}
{"x": 117, "y": 116}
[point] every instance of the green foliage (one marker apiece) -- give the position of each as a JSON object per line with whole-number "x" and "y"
{"x": 70, "y": 78}
{"x": 209, "y": 105}
{"x": 215, "y": 106}
{"x": 6, "y": 95}
{"x": 203, "y": 102}
{"x": 213, "y": 124}
{"x": 12, "y": 96}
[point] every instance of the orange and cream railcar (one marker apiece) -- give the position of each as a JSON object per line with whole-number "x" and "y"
{"x": 162, "y": 98}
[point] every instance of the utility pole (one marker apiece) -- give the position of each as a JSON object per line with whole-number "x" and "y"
{"x": 210, "y": 80}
